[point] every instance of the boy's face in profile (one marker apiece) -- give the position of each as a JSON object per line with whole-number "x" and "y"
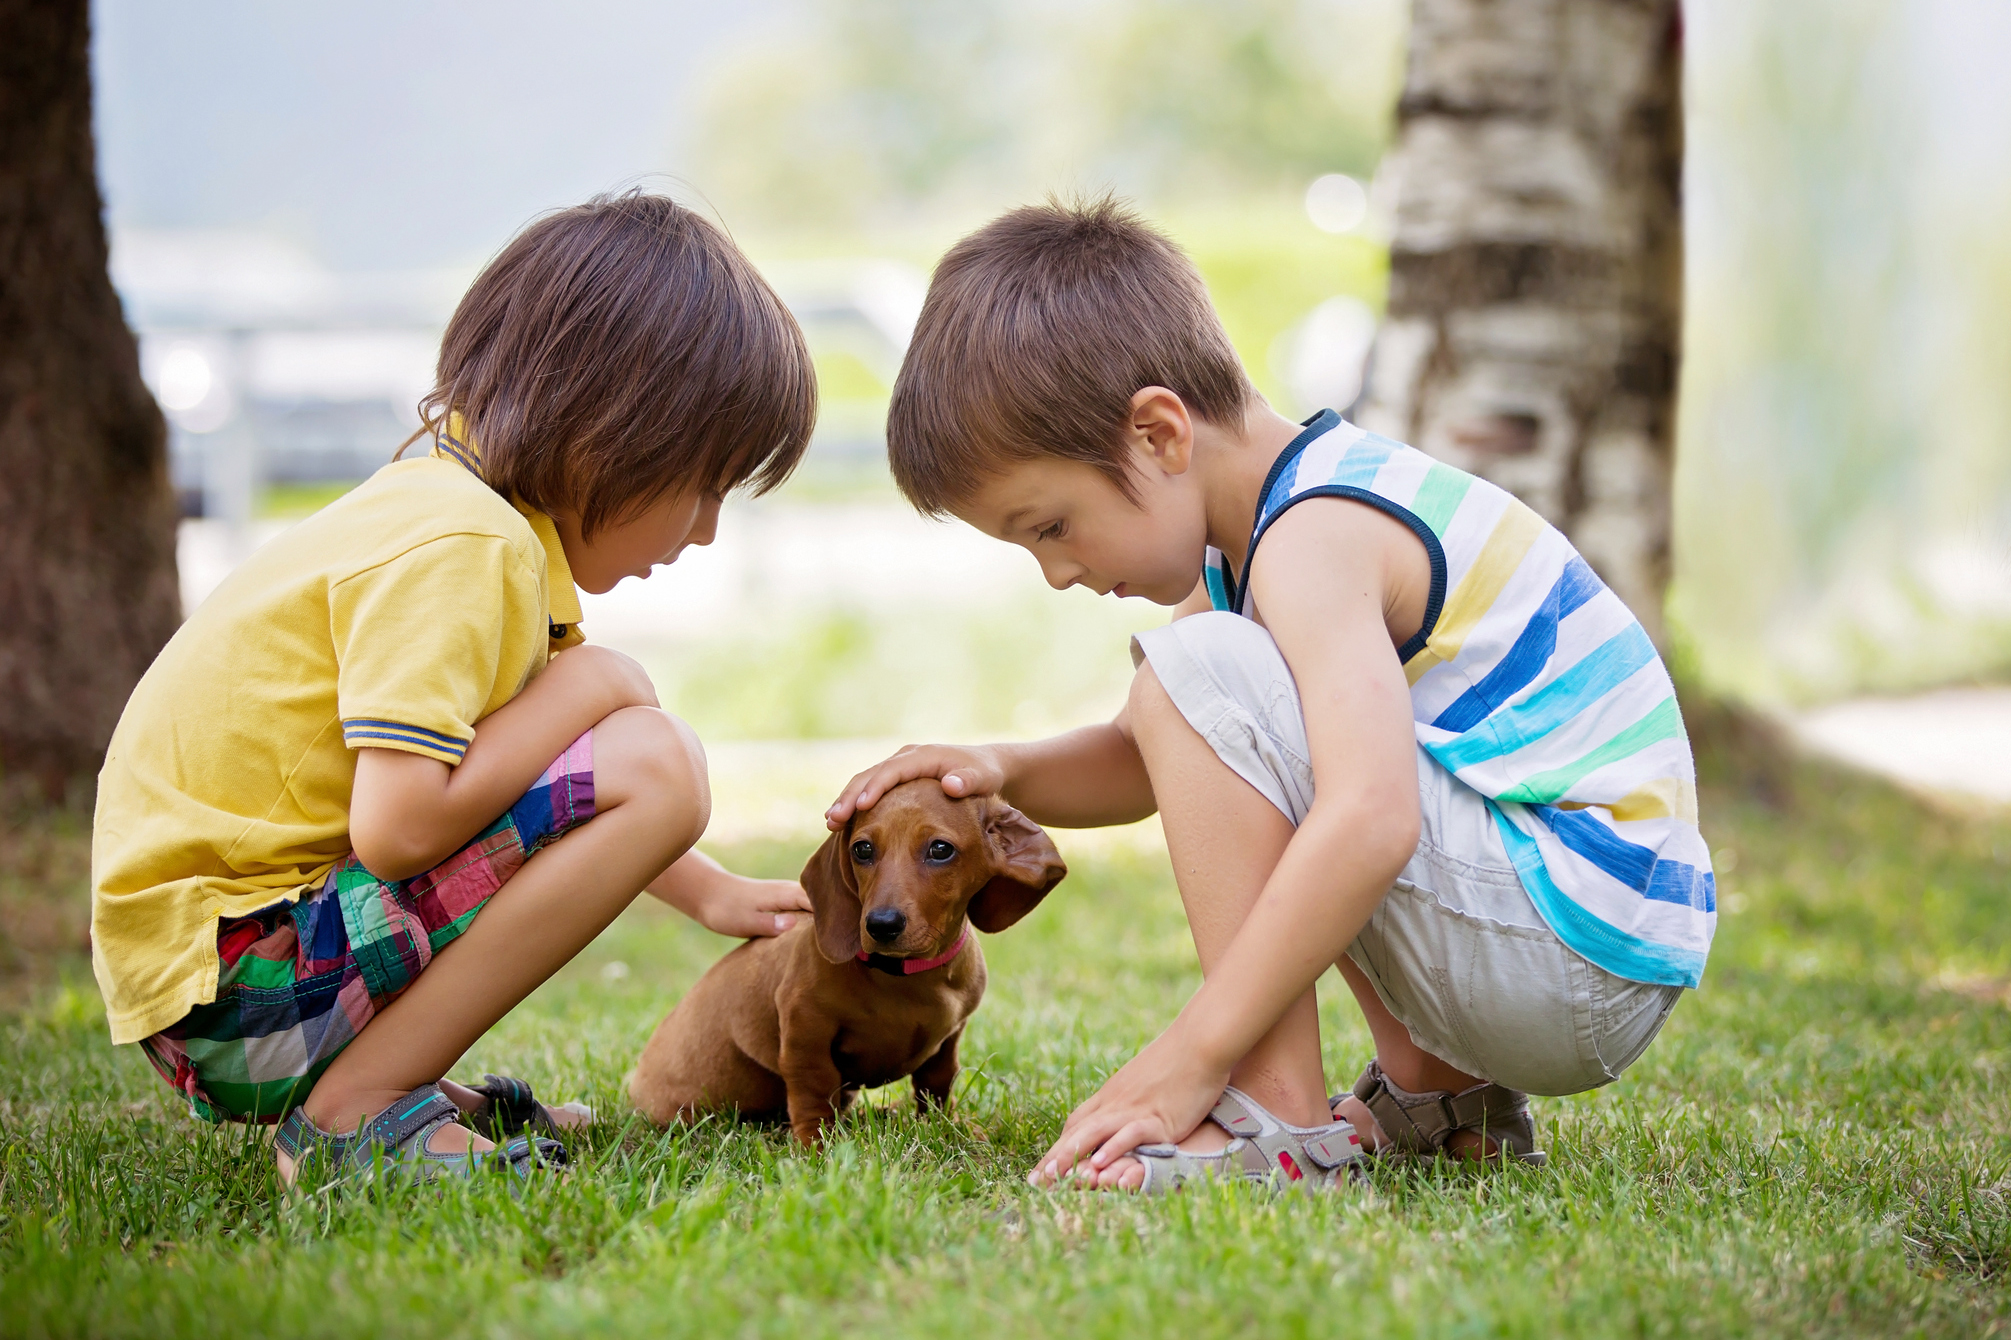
{"x": 1085, "y": 532}
{"x": 636, "y": 544}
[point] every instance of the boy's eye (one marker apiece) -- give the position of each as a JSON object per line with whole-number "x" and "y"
{"x": 1052, "y": 531}
{"x": 940, "y": 850}
{"x": 862, "y": 852}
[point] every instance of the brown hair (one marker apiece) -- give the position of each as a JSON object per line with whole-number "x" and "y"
{"x": 1037, "y": 331}
{"x": 620, "y": 350}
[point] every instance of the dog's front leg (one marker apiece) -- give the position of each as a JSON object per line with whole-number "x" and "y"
{"x": 937, "y": 1074}
{"x": 810, "y": 1074}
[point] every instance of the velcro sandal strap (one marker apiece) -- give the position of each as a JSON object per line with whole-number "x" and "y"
{"x": 1417, "y": 1123}
{"x": 1276, "y": 1149}
{"x": 1489, "y": 1104}
{"x": 1230, "y": 1114}
{"x": 298, "y": 1136}
{"x": 1333, "y": 1146}
{"x": 527, "y": 1152}
{"x": 1168, "y": 1166}
{"x": 418, "y": 1111}
{"x": 1422, "y": 1123}
{"x": 511, "y": 1104}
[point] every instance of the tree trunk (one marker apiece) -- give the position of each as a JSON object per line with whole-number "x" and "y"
{"x": 87, "y": 517}
{"x": 1536, "y": 267}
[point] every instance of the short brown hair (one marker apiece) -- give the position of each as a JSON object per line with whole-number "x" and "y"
{"x": 1037, "y": 331}
{"x": 620, "y": 350}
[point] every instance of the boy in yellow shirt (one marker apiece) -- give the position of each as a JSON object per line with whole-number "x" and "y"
{"x": 342, "y": 827}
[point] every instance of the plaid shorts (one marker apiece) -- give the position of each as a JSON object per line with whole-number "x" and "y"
{"x": 298, "y": 980}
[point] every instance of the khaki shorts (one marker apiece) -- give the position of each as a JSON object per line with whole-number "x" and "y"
{"x": 1456, "y": 950}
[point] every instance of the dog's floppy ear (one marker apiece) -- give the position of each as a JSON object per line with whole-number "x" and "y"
{"x": 1026, "y": 866}
{"x": 834, "y": 898}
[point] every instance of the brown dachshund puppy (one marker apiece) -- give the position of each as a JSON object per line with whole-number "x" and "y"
{"x": 876, "y": 987}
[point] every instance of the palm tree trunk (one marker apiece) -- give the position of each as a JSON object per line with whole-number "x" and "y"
{"x": 1536, "y": 266}
{"x": 87, "y": 517}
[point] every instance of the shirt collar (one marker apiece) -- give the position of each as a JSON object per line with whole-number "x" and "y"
{"x": 453, "y": 443}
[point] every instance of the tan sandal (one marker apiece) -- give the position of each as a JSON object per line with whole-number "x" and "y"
{"x": 1422, "y": 1123}
{"x": 1261, "y": 1149}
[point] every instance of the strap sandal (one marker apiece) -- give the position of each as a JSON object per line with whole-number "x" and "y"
{"x": 1423, "y": 1123}
{"x": 1262, "y": 1148}
{"x": 397, "y": 1141}
{"x": 509, "y": 1108}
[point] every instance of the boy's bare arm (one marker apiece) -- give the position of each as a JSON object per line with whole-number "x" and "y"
{"x": 1086, "y": 778}
{"x": 730, "y": 904}
{"x": 1320, "y": 581}
{"x": 407, "y": 812}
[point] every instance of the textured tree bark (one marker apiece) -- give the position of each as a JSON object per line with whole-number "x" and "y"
{"x": 1536, "y": 266}
{"x": 87, "y": 517}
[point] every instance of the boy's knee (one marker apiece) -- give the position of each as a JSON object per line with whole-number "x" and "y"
{"x": 1149, "y": 703}
{"x": 644, "y": 755}
{"x": 1215, "y": 654}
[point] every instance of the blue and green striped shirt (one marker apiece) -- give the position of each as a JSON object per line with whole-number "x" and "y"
{"x": 1534, "y": 685}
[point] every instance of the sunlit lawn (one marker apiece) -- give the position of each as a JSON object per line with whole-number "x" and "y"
{"x": 1816, "y": 1145}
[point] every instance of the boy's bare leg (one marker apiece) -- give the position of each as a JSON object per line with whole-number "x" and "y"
{"x": 651, "y": 803}
{"x": 1224, "y": 838}
{"x": 1408, "y": 1065}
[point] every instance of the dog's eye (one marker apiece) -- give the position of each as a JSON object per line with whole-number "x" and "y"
{"x": 940, "y": 850}
{"x": 862, "y": 852}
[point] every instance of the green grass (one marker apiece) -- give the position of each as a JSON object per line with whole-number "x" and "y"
{"x": 1815, "y": 1146}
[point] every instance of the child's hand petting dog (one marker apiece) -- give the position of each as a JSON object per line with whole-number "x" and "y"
{"x": 747, "y": 908}
{"x": 730, "y": 904}
{"x": 963, "y": 771}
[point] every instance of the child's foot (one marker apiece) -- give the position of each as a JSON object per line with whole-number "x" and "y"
{"x": 1356, "y": 1113}
{"x": 1461, "y": 1144}
{"x": 477, "y": 1102}
{"x": 1464, "y": 1144}
{"x": 1271, "y": 1150}
{"x": 446, "y": 1139}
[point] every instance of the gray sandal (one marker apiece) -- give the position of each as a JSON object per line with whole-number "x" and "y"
{"x": 1422, "y": 1123}
{"x": 398, "y": 1141}
{"x": 1262, "y": 1149}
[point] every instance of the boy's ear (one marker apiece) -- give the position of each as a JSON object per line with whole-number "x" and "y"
{"x": 1162, "y": 429}
{"x": 1025, "y": 866}
{"x": 834, "y": 898}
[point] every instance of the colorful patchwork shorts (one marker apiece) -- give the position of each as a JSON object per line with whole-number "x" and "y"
{"x": 298, "y": 980}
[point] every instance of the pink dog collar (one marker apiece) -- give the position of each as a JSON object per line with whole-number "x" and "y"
{"x": 908, "y": 967}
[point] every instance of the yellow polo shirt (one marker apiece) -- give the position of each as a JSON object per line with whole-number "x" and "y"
{"x": 395, "y": 618}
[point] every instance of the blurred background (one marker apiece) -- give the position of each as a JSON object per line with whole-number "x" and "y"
{"x": 297, "y": 196}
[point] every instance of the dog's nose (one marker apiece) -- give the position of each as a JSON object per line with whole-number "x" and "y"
{"x": 886, "y": 923}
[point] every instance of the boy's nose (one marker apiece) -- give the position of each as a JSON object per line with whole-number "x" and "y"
{"x": 1060, "y": 576}
{"x": 886, "y": 923}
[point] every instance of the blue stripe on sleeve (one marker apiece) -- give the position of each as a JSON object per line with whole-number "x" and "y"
{"x": 351, "y": 737}
{"x": 450, "y": 741}
{"x": 1640, "y": 868}
{"x": 1556, "y": 703}
{"x": 1613, "y": 949}
{"x": 353, "y": 731}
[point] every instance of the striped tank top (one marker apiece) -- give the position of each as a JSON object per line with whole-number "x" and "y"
{"x": 1534, "y": 685}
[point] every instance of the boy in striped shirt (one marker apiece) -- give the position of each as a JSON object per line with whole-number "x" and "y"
{"x": 1396, "y": 725}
